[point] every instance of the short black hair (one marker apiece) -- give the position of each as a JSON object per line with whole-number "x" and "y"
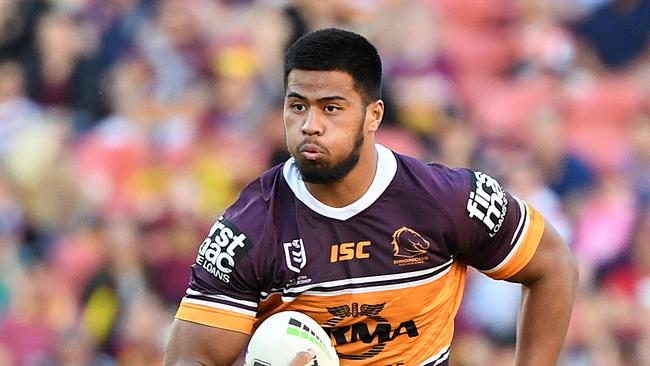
{"x": 333, "y": 49}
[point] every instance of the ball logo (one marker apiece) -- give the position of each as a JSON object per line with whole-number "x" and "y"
{"x": 257, "y": 362}
{"x": 409, "y": 247}
{"x": 222, "y": 249}
{"x": 487, "y": 202}
{"x": 278, "y": 339}
{"x": 298, "y": 329}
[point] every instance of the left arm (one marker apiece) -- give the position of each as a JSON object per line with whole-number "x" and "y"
{"x": 549, "y": 284}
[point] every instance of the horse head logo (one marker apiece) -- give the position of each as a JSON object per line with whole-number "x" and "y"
{"x": 408, "y": 243}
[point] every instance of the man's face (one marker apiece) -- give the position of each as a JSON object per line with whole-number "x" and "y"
{"x": 325, "y": 124}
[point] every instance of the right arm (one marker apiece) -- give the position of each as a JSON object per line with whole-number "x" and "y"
{"x": 193, "y": 344}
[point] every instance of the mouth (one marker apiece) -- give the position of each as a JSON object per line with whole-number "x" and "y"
{"x": 311, "y": 151}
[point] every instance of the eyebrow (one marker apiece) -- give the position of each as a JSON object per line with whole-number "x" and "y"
{"x": 323, "y": 99}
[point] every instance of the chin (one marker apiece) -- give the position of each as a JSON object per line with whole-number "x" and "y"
{"x": 311, "y": 165}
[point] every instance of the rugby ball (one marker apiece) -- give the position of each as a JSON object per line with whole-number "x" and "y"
{"x": 280, "y": 337}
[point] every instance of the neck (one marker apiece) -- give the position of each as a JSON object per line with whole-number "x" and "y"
{"x": 353, "y": 186}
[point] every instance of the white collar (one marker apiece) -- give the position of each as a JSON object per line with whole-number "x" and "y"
{"x": 386, "y": 169}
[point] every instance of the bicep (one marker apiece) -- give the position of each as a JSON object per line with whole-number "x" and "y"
{"x": 195, "y": 344}
{"x": 552, "y": 257}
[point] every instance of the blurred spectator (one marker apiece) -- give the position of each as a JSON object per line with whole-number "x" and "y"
{"x": 420, "y": 77}
{"x": 108, "y": 156}
{"x": 116, "y": 24}
{"x": 458, "y": 145}
{"x": 59, "y": 75}
{"x": 566, "y": 173}
{"x": 525, "y": 179}
{"x": 120, "y": 282}
{"x": 547, "y": 47}
{"x": 50, "y": 197}
{"x": 618, "y": 31}
{"x": 628, "y": 284}
{"x": 16, "y": 110}
{"x": 143, "y": 333}
{"x": 40, "y": 310}
{"x": 604, "y": 228}
{"x": 175, "y": 47}
{"x": 240, "y": 99}
{"x": 18, "y": 21}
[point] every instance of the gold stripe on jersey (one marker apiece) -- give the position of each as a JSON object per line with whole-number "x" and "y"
{"x": 218, "y": 318}
{"x": 431, "y": 306}
{"x": 524, "y": 249}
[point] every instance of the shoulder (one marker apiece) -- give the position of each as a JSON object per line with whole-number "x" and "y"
{"x": 250, "y": 212}
{"x": 437, "y": 180}
{"x": 241, "y": 233}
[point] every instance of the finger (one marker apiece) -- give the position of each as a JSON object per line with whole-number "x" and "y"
{"x": 303, "y": 358}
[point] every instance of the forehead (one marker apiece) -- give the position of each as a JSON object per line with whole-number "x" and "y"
{"x": 319, "y": 84}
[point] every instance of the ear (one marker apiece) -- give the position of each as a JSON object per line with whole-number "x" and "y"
{"x": 374, "y": 115}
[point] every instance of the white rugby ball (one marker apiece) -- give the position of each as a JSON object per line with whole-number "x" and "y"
{"x": 280, "y": 337}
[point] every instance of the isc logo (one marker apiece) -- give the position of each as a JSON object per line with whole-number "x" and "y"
{"x": 348, "y": 251}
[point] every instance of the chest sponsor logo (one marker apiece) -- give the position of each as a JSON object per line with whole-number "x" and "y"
{"x": 222, "y": 249}
{"x": 487, "y": 202}
{"x": 372, "y": 328}
{"x": 295, "y": 255}
{"x": 409, "y": 247}
{"x": 348, "y": 251}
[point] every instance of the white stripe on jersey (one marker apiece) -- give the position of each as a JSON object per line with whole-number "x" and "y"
{"x": 361, "y": 290}
{"x": 359, "y": 280}
{"x": 439, "y": 357}
{"x": 514, "y": 248}
{"x": 222, "y": 297}
{"x": 219, "y": 306}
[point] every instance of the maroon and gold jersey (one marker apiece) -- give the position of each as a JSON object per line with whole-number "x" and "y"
{"x": 384, "y": 276}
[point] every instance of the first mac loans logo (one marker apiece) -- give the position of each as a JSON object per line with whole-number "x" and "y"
{"x": 487, "y": 202}
{"x": 222, "y": 249}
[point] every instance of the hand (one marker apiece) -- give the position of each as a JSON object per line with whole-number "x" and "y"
{"x": 303, "y": 358}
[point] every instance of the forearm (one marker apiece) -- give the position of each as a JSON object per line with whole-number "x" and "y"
{"x": 193, "y": 344}
{"x": 544, "y": 316}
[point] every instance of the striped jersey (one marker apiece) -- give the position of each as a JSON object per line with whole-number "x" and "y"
{"x": 384, "y": 275}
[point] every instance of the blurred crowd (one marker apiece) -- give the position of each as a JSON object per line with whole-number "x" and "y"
{"x": 127, "y": 126}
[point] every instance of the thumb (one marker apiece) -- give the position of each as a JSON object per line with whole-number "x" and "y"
{"x": 303, "y": 358}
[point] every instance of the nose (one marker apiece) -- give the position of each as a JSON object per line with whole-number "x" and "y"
{"x": 312, "y": 124}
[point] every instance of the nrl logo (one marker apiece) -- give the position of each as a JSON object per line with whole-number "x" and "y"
{"x": 295, "y": 255}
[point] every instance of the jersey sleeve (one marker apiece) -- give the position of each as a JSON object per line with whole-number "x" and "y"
{"x": 496, "y": 232}
{"x": 224, "y": 285}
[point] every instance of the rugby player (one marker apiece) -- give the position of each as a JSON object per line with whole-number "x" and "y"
{"x": 372, "y": 244}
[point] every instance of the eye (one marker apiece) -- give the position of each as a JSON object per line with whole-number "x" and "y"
{"x": 298, "y": 107}
{"x": 331, "y": 108}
